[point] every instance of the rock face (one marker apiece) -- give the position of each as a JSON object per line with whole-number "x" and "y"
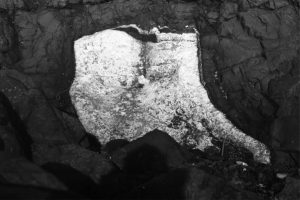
{"x": 30, "y": 104}
{"x": 19, "y": 171}
{"x": 250, "y": 63}
{"x": 249, "y": 50}
{"x": 87, "y": 162}
{"x": 250, "y": 54}
{"x": 125, "y": 87}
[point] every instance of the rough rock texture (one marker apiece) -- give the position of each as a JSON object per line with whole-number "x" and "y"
{"x": 87, "y": 162}
{"x": 249, "y": 48}
{"x": 250, "y": 60}
{"x": 124, "y": 88}
{"x": 19, "y": 171}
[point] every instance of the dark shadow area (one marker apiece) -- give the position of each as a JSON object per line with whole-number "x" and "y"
{"x": 76, "y": 181}
{"x": 141, "y": 163}
{"x": 145, "y": 161}
{"x": 133, "y": 32}
{"x": 2, "y": 145}
{"x": 14, "y": 191}
{"x": 167, "y": 186}
{"x": 139, "y": 166}
{"x": 114, "y": 145}
{"x": 93, "y": 143}
{"x": 22, "y": 136}
{"x": 145, "y": 169}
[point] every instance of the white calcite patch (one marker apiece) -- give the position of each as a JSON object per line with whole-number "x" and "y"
{"x": 124, "y": 88}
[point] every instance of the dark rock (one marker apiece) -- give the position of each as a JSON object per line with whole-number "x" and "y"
{"x": 114, "y": 145}
{"x": 154, "y": 152}
{"x": 6, "y": 34}
{"x": 8, "y": 55}
{"x": 291, "y": 190}
{"x": 285, "y": 131}
{"x": 188, "y": 183}
{"x": 237, "y": 51}
{"x": 89, "y": 163}
{"x": 255, "y": 37}
{"x": 185, "y": 183}
{"x": 19, "y": 171}
{"x": 140, "y": 160}
{"x": 230, "y": 193}
{"x": 11, "y": 5}
{"x": 73, "y": 179}
{"x": 34, "y": 110}
{"x": 229, "y": 10}
{"x": 255, "y": 21}
{"x": 15, "y": 191}
{"x": 74, "y": 130}
{"x": 90, "y": 142}
{"x": 13, "y": 134}
{"x": 255, "y": 62}
{"x": 250, "y": 62}
{"x": 285, "y": 162}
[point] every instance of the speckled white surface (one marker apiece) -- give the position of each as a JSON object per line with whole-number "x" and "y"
{"x": 124, "y": 88}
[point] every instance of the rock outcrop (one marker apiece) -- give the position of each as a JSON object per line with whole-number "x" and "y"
{"x": 249, "y": 48}
{"x": 250, "y": 67}
{"x": 126, "y": 86}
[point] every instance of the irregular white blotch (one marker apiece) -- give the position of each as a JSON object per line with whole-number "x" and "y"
{"x": 124, "y": 88}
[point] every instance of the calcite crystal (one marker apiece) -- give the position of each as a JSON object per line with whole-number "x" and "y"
{"x": 125, "y": 87}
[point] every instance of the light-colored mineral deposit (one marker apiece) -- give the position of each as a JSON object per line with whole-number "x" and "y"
{"x": 124, "y": 88}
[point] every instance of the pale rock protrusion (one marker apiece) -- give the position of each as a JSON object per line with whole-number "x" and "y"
{"x": 124, "y": 88}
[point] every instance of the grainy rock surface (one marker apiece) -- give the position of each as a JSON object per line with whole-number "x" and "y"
{"x": 247, "y": 68}
{"x": 124, "y": 88}
{"x": 250, "y": 69}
